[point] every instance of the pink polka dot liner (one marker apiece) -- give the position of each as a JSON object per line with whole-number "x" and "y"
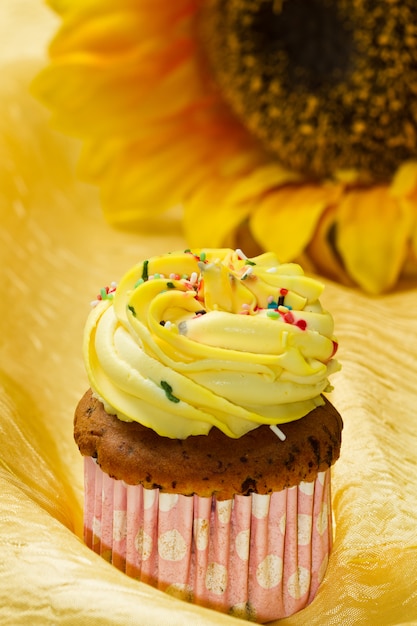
{"x": 259, "y": 557}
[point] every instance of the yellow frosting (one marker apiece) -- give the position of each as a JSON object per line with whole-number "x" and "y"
{"x": 192, "y": 340}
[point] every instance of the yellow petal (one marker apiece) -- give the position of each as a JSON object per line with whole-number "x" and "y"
{"x": 373, "y": 229}
{"x": 138, "y": 187}
{"x": 208, "y": 219}
{"x": 322, "y": 251}
{"x": 405, "y": 180}
{"x": 259, "y": 181}
{"x": 286, "y": 218}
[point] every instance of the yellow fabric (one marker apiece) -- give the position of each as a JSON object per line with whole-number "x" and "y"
{"x": 55, "y": 254}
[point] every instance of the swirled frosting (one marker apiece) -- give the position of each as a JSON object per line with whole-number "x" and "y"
{"x": 195, "y": 339}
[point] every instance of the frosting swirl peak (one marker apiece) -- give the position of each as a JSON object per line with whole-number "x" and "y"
{"x": 195, "y": 339}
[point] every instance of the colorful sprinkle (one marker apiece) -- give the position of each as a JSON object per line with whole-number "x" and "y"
{"x": 139, "y": 282}
{"x": 288, "y": 317}
{"x": 203, "y": 256}
{"x": 106, "y": 293}
{"x": 170, "y": 285}
{"x": 168, "y": 390}
{"x": 145, "y": 270}
{"x": 272, "y": 304}
{"x": 132, "y": 310}
{"x": 283, "y": 291}
{"x": 247, "y": 273}
{"x": 301, "y": 324}
{"x": 240, "y": 254}
{"x": 272, "y": 313}
{"x": 278, "y": 432}
{"x": 249, "y": 262}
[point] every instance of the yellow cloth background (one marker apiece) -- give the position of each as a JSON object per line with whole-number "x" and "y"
{"x": 55, "y": 254}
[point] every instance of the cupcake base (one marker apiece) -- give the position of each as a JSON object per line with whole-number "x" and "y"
{"x": 259, "y": 557}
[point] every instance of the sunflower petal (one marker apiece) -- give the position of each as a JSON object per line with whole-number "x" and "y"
{"x": 405, "y": 180}
{"x": 259, "y": 181}
{"x": 322, "y": 252}
{"x": 208, "y": 218}
{"x": 373, "y": 229}
{"x": 286, "y": 218}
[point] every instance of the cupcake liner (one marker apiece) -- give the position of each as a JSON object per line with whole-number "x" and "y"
{"x": 259, "y": 557}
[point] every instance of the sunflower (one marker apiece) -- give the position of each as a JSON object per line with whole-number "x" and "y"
{"x": 288, "y": 125}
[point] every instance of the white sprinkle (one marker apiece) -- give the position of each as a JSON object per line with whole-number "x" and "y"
{"x": 241, "y": 254}
{"x": 270, "y": 299}
{"x": 193, "y": 278}
{"x": 168, "y": 325}
{"x": 182, "y": 328}
{"x": 94, "y": 303}
{"x": 271, "y": 270}
{"x": 113, "y": 285}
{"x": 172, "y": 276}
{"x": 278, "y": 432}
{"x": 245, "y": 306}
{"x": 247, "y": 273}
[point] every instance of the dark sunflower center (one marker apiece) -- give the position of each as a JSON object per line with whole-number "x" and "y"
{"x": 312, "y": 38}
{"x": 326, "y": 85}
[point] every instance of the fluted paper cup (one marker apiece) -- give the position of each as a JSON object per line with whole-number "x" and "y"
{"x": 259, "y": 557}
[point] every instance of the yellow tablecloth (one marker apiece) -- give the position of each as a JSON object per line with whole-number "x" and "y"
{"x": 55, "y": 254}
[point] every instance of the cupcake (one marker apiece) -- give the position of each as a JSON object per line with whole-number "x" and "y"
{"x": 207, "y": 439}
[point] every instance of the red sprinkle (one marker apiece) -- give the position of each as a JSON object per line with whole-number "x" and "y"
{"x": 289, "y": 318}
{"x": 283, "y": 291}
{"x": 301, "y": 324}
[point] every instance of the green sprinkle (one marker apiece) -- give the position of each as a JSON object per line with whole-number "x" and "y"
{"x": 170, "y": 285}
{"x": 103, "y": 293}
{"x": 168, "y": 390}
{"x": 273, "y": 314}
{"x": 187, "y": 250}
{"x": 132, "y": 310}
{"x": 139, "y": 282}
{"x": 145, "y": 270}
{"x": 203, "y": 256}
{"x": 249, "y": 262}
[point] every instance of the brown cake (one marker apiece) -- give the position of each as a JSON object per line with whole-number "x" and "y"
{"x": 213, "y": 464}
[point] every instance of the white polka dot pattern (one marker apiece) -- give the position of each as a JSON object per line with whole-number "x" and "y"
{"x": 269, "y": 571}
{"x": 299, "y": 583}
{"x": 172, "y": 546}
{"x": 201, "y": 533}
{"x": 216, "y": 578}
{"x": 242, "y": 544}
{"x": 258, "y": 557}
{"x": 143, "y": 544}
